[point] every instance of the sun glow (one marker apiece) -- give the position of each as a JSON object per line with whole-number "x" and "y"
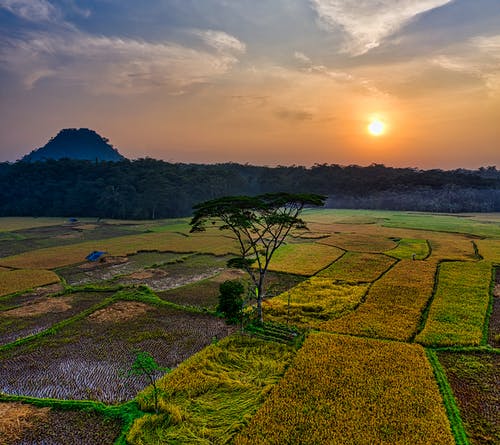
{"x": 376, "y": 127}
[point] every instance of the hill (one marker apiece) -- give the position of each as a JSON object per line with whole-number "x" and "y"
{"x": 73, "y": 143}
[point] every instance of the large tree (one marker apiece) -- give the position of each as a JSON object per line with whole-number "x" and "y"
{"x": 260, "y": 224}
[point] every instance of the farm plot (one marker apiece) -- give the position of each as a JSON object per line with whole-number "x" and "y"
{"x": 458, "y": 311}
{"x": 345, "y": 390}
{"x": 56, "y": 257}
{"x": 394, "y": 303}
{"x": 313, "y": 302}
{"x": 212, "y": 395}
{"x": 86, "y": 359}
{"x": 494, "y": 326}
{"x": 111, "y": 267}
{"x": 354, "y": 267}
{"x": 185, "y": 270}
{"x": 474, "y": 379}
{"x": 205, "y": 293}
{"x": 19, "y": 280}
{"x": 359, "y": 241}
{"x": 26, "y": 424}
{"x": 446, "y": 246}
{"x": 8, "y": 224}
{"x": 303, "y": 259}
{"x": 490, "y": 249}
{"x": 408, "y": 248}
{"x": 38, "y": 314}
{"x": 15, "y": 242}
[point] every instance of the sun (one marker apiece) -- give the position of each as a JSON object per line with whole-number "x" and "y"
{"x": 376, "y": 127}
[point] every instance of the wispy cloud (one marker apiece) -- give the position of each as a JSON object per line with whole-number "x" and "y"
{"x": 294, "y": 115}
{"x": 117, "y": 65}
{"x": 221, "y": 41}
{"x": 368, "y": 23}
{"x": 32, "y": 10}
{"x": 479, "y": 57}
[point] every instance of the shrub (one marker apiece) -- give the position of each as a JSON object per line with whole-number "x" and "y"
{"x": 230, "y": 299}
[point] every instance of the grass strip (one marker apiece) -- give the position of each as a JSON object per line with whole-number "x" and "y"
{"x": 451, "y": 407}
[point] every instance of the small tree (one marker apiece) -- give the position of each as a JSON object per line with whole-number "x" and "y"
{"x": 145, "y": 364}
{"x": 230, "y": 299}
{"x": 260, "y": 224}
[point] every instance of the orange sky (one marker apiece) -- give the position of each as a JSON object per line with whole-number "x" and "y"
{"x": 283, "y": 82}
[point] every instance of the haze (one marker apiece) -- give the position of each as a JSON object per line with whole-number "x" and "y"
{"x": 264, "y": 82}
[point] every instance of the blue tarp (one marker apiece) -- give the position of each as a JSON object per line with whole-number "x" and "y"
{"x": 94, "y": 256}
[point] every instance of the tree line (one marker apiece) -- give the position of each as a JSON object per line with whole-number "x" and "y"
{"x": 150, "y": 189}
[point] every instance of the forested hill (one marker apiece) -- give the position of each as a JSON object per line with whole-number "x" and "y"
{"x": 149, "y": 188}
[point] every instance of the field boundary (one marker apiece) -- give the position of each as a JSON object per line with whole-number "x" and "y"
{"x": 456, "y": 424}
{"x": 489, "y": 311}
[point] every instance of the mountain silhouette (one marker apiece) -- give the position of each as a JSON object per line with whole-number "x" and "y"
{"x": 76, "y": 143}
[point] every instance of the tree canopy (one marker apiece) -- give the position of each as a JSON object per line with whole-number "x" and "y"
{"x": 259, "y": 223}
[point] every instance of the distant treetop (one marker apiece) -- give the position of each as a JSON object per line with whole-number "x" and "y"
{"x": 76, "y": 143}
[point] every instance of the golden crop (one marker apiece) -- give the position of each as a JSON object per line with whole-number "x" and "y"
{"x": 355, "y": 267}
{"x": 346, "y": 390}
{"x": 313, "y": 302}
{"x": 489, "y": 249}
{"x": 359, "y": 241}
{"x": 303, "y": 259}
{"x": 53, "y": 257}
{"x": 394, "y": 303}
{"x": 458, "y": 311}
{"x": 18, "y": 280}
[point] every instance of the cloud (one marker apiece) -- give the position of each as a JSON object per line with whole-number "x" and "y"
{"x": 368, "y": 23}
{"x": 294, "y": 115}
{"x": 479, "y": 57}
{"x": 221, "y": 41}
{"x": 117, "y": 65}
{"x": 32, "y": 10}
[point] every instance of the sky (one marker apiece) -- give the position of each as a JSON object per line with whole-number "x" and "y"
{"x": 266, "y": 82}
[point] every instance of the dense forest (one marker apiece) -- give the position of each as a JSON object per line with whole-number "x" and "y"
{"x": 148, "y": 188}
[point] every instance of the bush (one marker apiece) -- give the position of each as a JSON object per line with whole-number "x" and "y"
{"x": 230, "y": 300}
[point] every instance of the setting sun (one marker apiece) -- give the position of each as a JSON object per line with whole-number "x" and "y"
{"x": 376, "y": 127}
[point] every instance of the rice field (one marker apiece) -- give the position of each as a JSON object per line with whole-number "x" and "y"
{"x": 351, "y": 282}
{"x": 394, "y": 303}
{"x": 458, "y": 311}
{"x": 353, "y": 391}
{"x": 314, "y": 302}
{"x": 408, "y": 248}
{"x": 212, "y": 395}
{"x": 355, "y": 267}
{"x": 303, "y": 259}
{"x": 55, "y": 257}
{"x": 12, "y": 281}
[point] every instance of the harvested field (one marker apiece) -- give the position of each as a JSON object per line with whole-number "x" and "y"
{"x": 346, "y": 390}
{"x": 185, "y": 270}
{"x": 303, "y": 259}
{"x": 111, "y": 267}
{"x": 86, "y": 359}
{"x": 474, "y": 379}
{"x": 394, "y": 303}
{"x": 356, "y": 267}
{"x": 458, "y": 311}
{"x": 205, "y": 293}
{"x": 494, "y": 326}
{"x": 38, "y": 314}
{"x": 19, "y": 280}
{"x": 119, "y": 312}
{"x": 30, "y": 425}
{"x": 16, "y": 300}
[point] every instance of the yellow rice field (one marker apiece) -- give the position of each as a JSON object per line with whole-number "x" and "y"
{"x": 345, "y": 390}
{"x": 18, "y": 280}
